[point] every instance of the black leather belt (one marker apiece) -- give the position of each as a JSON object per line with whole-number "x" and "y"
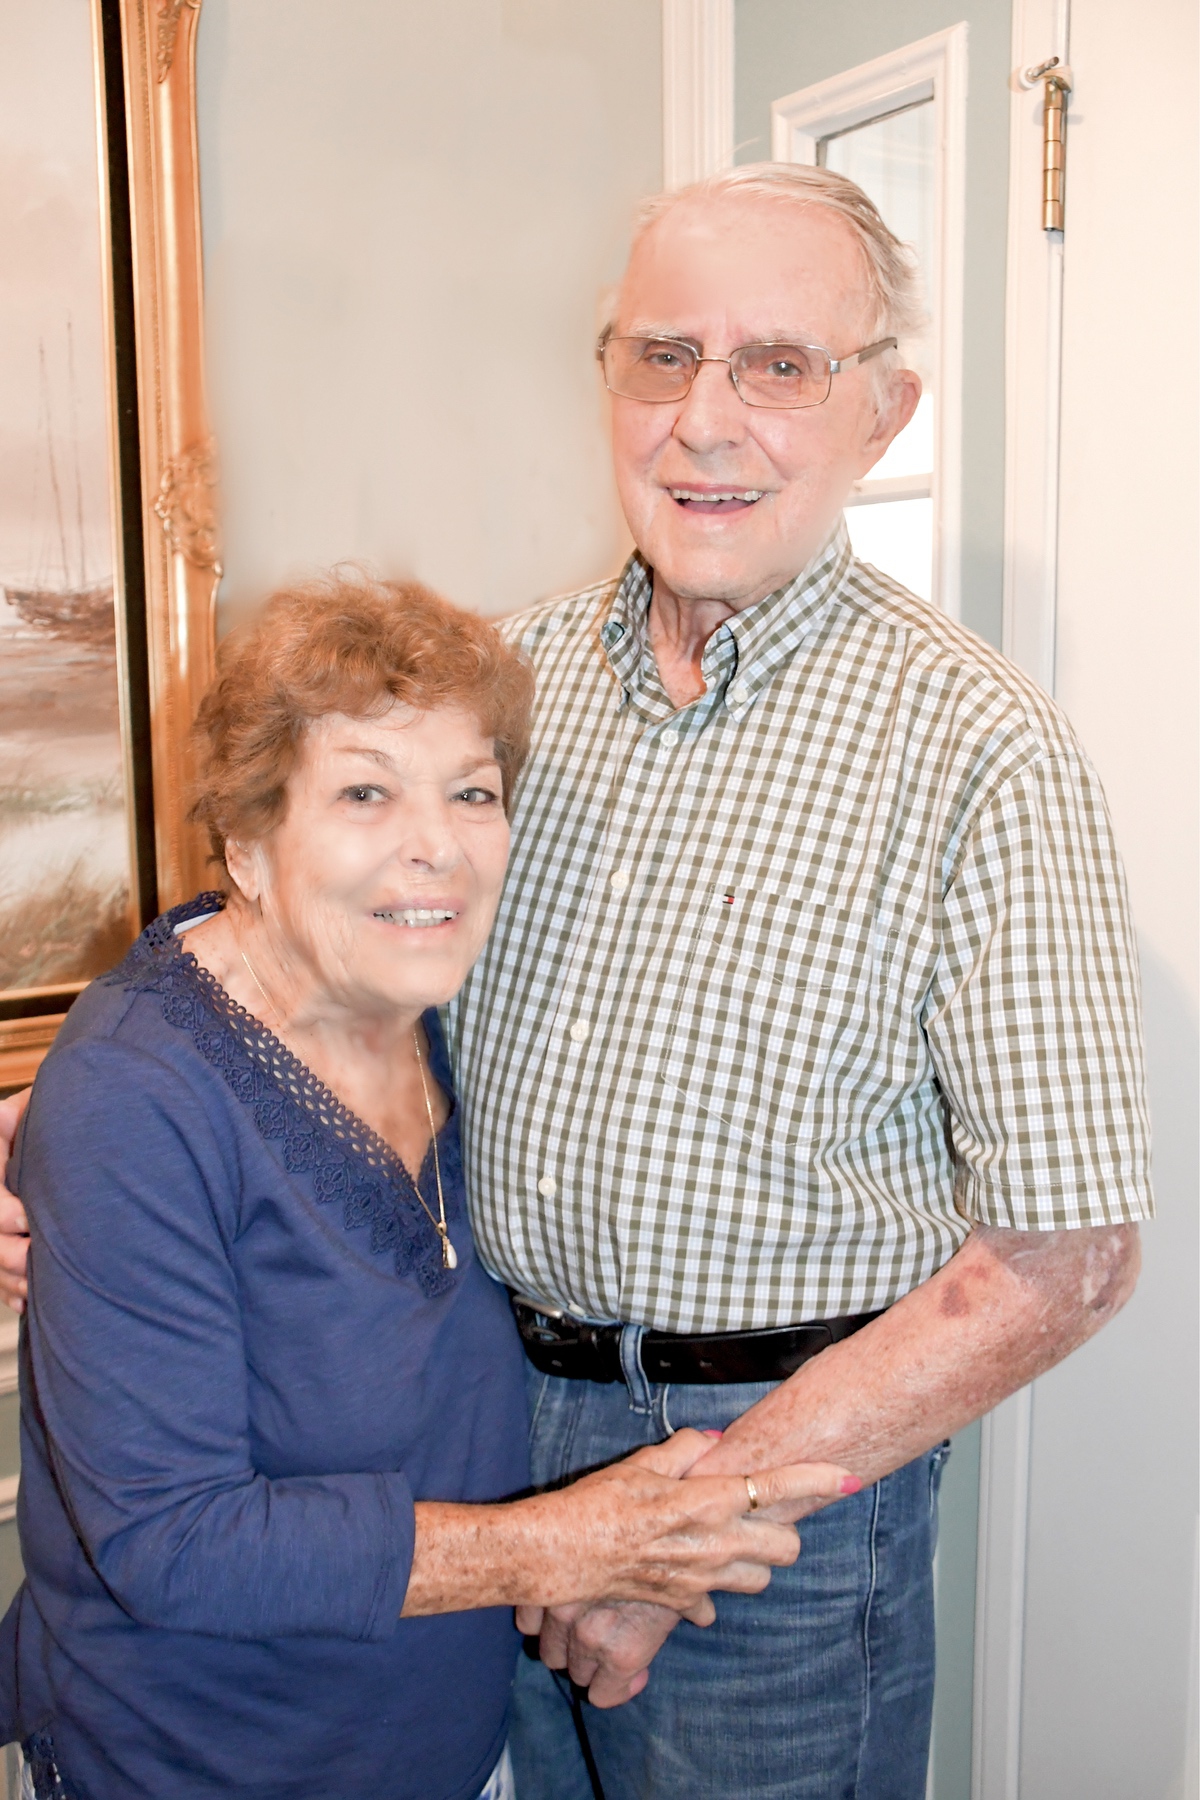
{"x": 558, "y": 1344}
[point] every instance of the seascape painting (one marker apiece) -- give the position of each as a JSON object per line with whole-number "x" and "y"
{"x": 65, "y": 845}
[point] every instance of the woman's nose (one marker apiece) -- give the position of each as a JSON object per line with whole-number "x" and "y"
{"x": 427, "y": 838}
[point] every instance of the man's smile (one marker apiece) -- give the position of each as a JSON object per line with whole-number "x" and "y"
{"x": 713, "y": 500}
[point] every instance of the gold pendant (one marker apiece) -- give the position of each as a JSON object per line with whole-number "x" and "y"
{"x": 449, "y": 1253}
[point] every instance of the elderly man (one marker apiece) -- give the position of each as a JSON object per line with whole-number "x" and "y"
{"x": 803, "y": 1095}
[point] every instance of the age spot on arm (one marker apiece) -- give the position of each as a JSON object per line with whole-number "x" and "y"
{"x": 1093, "y": 1269}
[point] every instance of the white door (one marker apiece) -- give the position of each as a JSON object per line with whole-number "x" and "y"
{"x": 1107, "y": 1698}
{"x": 1059, "y": 517}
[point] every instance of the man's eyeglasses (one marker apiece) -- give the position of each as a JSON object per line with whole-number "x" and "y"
{"x": 785, "y": 375}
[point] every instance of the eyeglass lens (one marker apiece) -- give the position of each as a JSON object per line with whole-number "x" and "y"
{"x": 659, "y": 369}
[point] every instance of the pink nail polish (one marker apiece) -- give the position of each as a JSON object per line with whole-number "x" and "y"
{"x": 711, "y": 1433}
{"x": 850, "y": 1484}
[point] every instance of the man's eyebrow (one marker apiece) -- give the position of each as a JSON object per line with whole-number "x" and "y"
{"x": 670, "y": 334}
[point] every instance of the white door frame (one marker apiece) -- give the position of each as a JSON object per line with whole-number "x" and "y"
{"x": 697, "y": 52}
{"x": 1033, "y": 357}
{"x": 1033, "y": 362}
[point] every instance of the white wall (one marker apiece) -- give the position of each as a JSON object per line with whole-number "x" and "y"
{"x": 410, "y": 212}
{"x": 1109, "y": 1675}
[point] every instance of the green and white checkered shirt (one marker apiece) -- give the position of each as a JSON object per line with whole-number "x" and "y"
{"x": 792, "y": 986}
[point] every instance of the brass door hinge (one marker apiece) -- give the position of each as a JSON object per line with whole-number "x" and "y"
{"x": 1055, "y": 78}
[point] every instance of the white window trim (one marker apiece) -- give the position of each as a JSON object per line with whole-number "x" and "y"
{"x": 934, "y": 69}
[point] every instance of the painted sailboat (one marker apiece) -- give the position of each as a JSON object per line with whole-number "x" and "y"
{"x": 72, "y": 607}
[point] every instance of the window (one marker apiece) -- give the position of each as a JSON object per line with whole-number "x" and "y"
{"x": 897, "y": 127}
{"x": 891, "y": 515}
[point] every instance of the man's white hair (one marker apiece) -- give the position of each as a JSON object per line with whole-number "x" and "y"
{"x": 894, "y": 301}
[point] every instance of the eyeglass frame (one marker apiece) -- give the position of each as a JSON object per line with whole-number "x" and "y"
{"x": 836, "y": 365}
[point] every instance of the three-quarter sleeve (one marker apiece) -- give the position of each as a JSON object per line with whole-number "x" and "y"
{"x": 1033, "y": 1018}
{"x": 138, "y": 1374}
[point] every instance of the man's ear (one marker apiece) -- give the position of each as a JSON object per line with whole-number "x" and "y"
{"x": 895, "y": 410}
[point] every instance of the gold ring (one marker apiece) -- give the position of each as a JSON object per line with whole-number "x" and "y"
{"x": 752, "y": 1491}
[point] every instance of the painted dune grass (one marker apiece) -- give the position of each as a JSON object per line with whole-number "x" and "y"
{"x": 64, "y": 858}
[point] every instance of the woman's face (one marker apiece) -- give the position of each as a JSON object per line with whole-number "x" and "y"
{"x": 380, "y": 883}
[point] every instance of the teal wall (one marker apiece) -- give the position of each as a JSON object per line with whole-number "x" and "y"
{"x": 382, "y": 183}
{"x": 783, "y": 45}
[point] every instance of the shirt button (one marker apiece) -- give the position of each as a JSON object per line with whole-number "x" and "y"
{"x": 669, "y": 739}
{"x": 618, "y": 881}
{"x": 579, "y": 1030}
{"x": 739, "y": 693}
{"x": 548, "y": 1186}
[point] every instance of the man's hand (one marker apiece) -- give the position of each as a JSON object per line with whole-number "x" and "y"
{"x": 14, "y": 1227}
{"x": 608, "y": 1647}
{"x": 1005, "y": 1309}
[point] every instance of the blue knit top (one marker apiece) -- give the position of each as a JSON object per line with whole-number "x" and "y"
{"x": 243, "y": 1362}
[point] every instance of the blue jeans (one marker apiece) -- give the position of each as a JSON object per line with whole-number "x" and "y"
{"x": 821, "y": 1688}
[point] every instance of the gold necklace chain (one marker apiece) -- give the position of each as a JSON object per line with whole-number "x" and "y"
{"x": 449, "y": 1253}
{"x": 258, "y": 984}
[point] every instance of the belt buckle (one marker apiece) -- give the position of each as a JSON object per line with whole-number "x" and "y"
{"x": 529, "y": 1311}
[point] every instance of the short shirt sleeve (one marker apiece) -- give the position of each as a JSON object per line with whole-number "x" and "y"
{"x": 1034, "y": 1015}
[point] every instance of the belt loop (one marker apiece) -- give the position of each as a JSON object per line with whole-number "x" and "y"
{"x": 641, "y": 1397}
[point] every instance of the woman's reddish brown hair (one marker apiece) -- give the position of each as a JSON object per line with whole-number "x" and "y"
{"x": 347, "y": 643}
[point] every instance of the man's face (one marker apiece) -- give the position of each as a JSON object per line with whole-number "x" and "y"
{"x": 723, "y": 273}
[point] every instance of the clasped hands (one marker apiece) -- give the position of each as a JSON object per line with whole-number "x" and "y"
{"x": 715, "y": 1542}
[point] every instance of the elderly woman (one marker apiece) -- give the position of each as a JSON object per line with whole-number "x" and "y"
{"x": 271, "y": 1402}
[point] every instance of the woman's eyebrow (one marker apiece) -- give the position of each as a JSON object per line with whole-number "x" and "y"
{"x": 386, "y": 762}
{"x": 379, "y": 756}
{"x": 482, "y": 762}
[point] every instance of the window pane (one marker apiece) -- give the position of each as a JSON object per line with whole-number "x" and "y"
{"x": 912, "y": 452}
{"x": 897, "y": 536}
{"x": 892, "y": 159}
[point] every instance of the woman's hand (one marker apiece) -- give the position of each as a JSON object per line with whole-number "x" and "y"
{"x": 633, "y": 1531}
{"x": 608, "y": 1648}
{"x": 14, "y": 1228}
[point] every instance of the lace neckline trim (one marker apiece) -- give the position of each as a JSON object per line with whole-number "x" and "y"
{"x": 318, "y": 1135}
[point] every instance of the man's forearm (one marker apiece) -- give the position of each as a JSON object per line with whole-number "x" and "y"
{"x": 1007, "y": 1307}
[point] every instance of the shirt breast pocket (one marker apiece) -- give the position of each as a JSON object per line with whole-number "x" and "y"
{"x": 765, "y": 998}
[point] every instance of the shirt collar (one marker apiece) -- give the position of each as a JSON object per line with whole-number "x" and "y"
{"x": 744, "y": 653}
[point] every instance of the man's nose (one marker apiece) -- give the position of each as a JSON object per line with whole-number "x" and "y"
{"x": 713, "y": 412}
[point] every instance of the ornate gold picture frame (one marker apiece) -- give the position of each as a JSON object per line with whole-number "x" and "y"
{"x": 156, "y": 629}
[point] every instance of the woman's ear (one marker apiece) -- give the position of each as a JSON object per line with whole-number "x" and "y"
{"x": 245, "y": 868}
